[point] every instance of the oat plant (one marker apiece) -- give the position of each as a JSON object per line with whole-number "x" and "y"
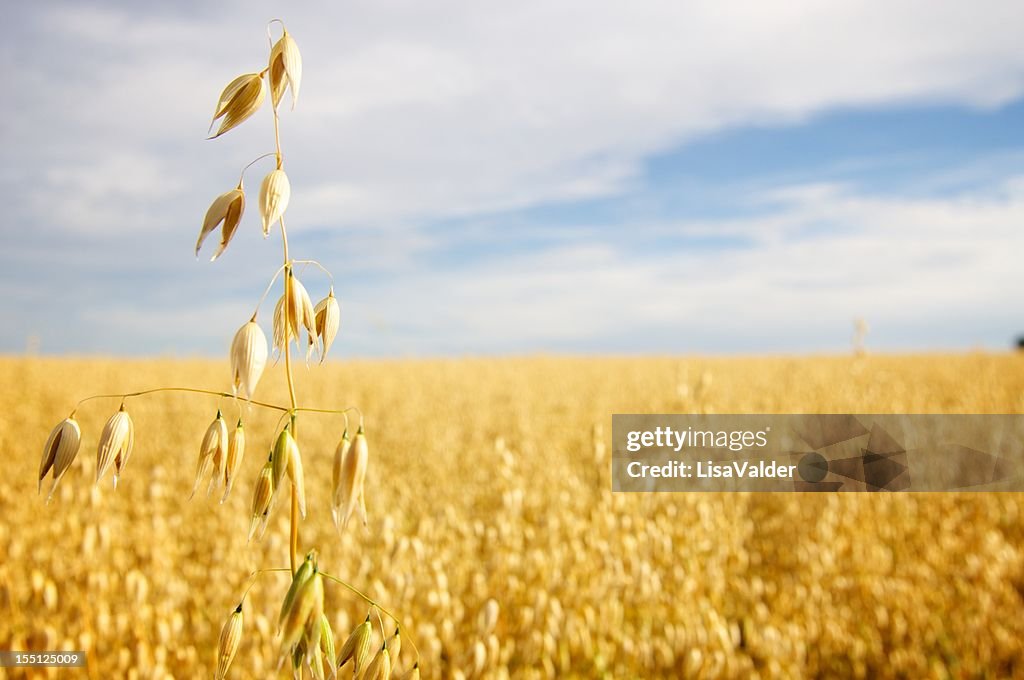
{"x": 371, "y": 650}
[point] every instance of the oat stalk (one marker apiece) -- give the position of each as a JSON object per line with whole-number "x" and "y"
{"x": 304, "y": 624}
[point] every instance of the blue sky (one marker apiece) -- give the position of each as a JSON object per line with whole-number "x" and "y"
{"x": 571, "y": 177}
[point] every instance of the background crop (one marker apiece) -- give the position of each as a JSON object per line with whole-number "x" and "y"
{"x": 488, "y": 481}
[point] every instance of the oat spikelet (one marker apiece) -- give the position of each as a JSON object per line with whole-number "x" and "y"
{"x": 280, "y": 331}
{"x": 239, "y": 100}
{"x": 115, "y": 444}
{"x": 302, "y": 574}
{"x": 327, "y": 644}
{"x": 349, "y": 493}
{"x": 226, "y": 208}
{"x": 285, "y": 69}
{"x": 261, "y": 496}
{"x": 395, "y": 645}
{"x": 61, "y": 448}
{"x": 300, "y": 308}
{"x": 413, "y": 673}
{"x": 248, "y": 358}
{"x": 357, "y": 647}
{"x": 316, "y": 662}
{"x": 230, "y": 638}
{"x": 313, "y": 631}
{"x": 236, "y": 451}
{"x": 274, "y": 195}
{"x": 380, "y": 667}
{"x": 309, "y": 599}
{"x": 282, "y": 454}
{"x": 298, "y": 478}
{"x": 336, "y": 476}
{"x": 212, "y": 451}
{"x": 327, "y": 319}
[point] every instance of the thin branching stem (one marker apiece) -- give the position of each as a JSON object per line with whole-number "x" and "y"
{"x": 267, "y": 291}
{"x": 324, "y": 269}
{"x": 252, "y": 163}
{"x": 373, "y": 603}
{"x": 214, "y": 393}
{"x": 254, "y": 576}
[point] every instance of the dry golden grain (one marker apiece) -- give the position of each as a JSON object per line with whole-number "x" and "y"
{"x": 280, "y": 330}
{"x": 262, "y": 494}
{"x": 240, "y": 99}
{"x": 248, "y": 358}
{"x": 298, "y": 478}
{"x": 327, "y": 319}
{"x": 357, "y": 647}
{"x": 349, "y": 494}
{"x": 227, "y": 208}
{"x": 275, "y": 192}
{"x": 61, "y": 448}
{"x": 236, "y": 452}
{"x": 336, "y": 470}
{"x": 413, "y": 673}
{"x": 115, "y": 444}
{"x": 212, "y": 452}
{"x": 395, "y": 646}
{"x": 230, "y": 638}
{"x": 285, "y": 69}
{"x": 300, "y": 308}
{"x": 380, "y": 667}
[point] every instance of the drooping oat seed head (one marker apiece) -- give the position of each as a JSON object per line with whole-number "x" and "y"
{"x": 413, "y": 673}
{"x": 298, "y": 478}
{"x": 380, "y": 667}
{"x": 395, "y": 645}
{"x": 327, "y": 649}
{"x": 115, "y": 444}
{"x": 275, "y": 192}
{"x": 248, "y": 358}
{"x": 300, "y": 308}
{"x": 212, "y": 452}
{"x": 262, "y": 493}
{"x": 240, "y": 99}
{"x": 230, "y": 638}
{"x": 283, "y": 448}
{"x": 280, "y": 329}
{"x": 357, "y": 647}
{"x": 327, "y": 319}
{"x": 309, "y": 599}
{"x": 285, "y": 69}
{"x": 302, "y": 574}
{"x": 226, "y": 208}
{"x": 336, "y": 470}
{"x": 315, "y": 661}
{"x": 236, "y": 451}
{"x": 349, "y": 494}
{"x": 61, "y": 448}
{"x": 311, "y": 640}
{"x": 203, "y": 467}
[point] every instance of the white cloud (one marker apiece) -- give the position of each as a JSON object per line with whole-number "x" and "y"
{"x": 420, "y": 111}
{"x": 416, "y": 112}
{"x": 908, "y": 265}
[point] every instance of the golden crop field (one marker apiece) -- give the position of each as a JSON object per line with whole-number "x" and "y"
{"x": 493, "y": 534}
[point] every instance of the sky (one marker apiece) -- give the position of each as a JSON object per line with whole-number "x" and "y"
{"x": 580, "y": 177}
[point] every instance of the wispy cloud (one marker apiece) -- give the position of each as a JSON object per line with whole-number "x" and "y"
{"x": 426, "y": 133}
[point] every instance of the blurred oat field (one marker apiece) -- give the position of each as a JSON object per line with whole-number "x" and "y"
{"x": 488, "y": 491}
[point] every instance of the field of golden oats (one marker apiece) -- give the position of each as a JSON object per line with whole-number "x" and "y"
{"x": 488, "y": 492}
